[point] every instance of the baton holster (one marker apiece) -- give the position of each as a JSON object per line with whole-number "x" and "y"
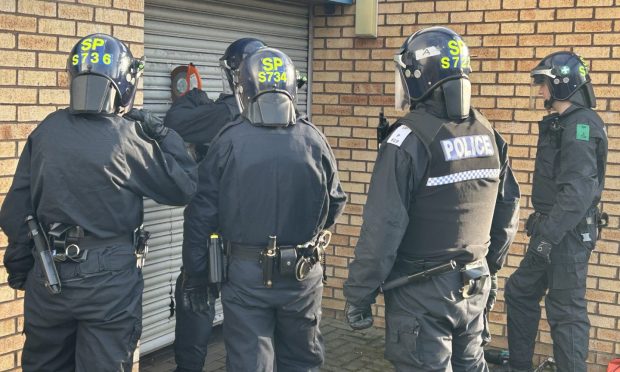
{"x": 217, "y": 273}
{"x": 268, "y": 257}
{"x": 474, "y": 279}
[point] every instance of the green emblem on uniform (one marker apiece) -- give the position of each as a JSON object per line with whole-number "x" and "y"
{"x": 583, "y": 132}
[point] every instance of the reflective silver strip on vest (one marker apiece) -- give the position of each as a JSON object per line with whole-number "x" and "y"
{"x": 463, "y": 176}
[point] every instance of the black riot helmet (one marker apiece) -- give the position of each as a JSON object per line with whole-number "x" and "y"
{"x": 567, "y": 76}
{"x": 104, "y": 75}
{"x": 432, "y": 58}
{"x": 266, "y": 88}
{"x": 234, "y": 54}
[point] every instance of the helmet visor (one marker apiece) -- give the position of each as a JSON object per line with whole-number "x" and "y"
{"x": 225, "y": 83}
{"x": 540, "y": 79}
{"x": 402, "y": 100}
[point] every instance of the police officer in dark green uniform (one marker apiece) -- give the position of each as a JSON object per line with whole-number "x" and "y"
{"x": 568, "y": 181}
{"x": 441, "y": 191}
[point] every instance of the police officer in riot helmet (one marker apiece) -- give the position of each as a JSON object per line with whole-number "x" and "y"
{"x": 442, "y": 195}
{"x": 569, "y": 175}
{"x": 269, "y": 186}
{"x": 82, "y": 175}
{"x": 198, "y": 119}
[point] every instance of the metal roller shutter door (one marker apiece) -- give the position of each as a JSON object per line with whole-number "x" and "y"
{"x": 177, "y": 32}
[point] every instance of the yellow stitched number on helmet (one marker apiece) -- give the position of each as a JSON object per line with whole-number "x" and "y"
{"x": 456, "y": 48}
{"x": 582, "y": 71}
{"x": 270, "y": 70}
{"x": 89, "y": 52}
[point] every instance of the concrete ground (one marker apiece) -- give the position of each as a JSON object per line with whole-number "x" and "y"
{"x": 346, "y": 350}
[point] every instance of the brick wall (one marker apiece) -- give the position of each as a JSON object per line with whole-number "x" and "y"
{"x": 353, "y": 81}
{"x": 35, "y": 40}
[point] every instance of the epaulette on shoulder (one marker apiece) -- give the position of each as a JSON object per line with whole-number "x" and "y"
{"x": 398, "y": 133}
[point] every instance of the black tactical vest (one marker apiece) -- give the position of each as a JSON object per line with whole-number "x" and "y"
{"x": 450, "y": 217}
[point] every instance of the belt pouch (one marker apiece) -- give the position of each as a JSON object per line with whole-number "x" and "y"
{"x": 288, "y": 259}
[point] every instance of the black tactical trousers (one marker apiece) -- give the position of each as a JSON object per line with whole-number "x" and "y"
{"x": 564, "y": 282}
{"x": 95, "y": 322}
{"x": 191, "y": 333}
{"x": 431, "y": 327}
{"x": 268, "y": 328}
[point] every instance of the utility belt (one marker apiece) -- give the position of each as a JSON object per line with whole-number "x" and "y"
{"x": 474, "y": 275}
{"x": 72, "y": 243}
{"x": 290, "y": 261}
{"x": 594, "y": 218}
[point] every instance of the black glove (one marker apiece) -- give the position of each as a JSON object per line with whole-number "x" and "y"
{"x": 195, "y": 294}
{"x": 358, "y": 316}
{"x": 152, "y": 125}
{"x": 492, "y": 293}
{"x": 540, "y": 247}
{"x": 18, "y": 281}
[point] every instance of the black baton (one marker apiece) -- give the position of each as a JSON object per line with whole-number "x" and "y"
{"x": 419, "y": 277}
{"x": 52, "y": 281}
